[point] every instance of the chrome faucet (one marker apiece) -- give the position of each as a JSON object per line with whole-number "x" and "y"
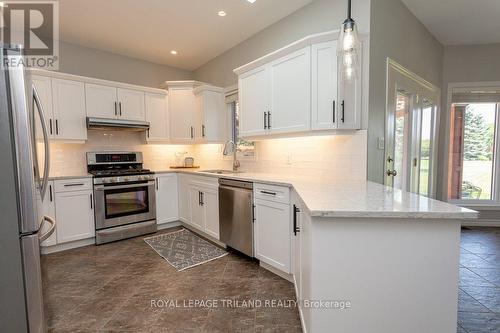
{"x": 231, "y": 148}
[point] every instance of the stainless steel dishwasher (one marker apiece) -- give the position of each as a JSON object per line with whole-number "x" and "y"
{"x": 236, "y": 215}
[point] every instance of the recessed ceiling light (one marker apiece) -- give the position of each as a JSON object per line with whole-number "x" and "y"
{"x": 174, "y": 52}
{"x": 2, "y": 4}
{"x": 222, "y": 13}
{"x": 251, "y": 1}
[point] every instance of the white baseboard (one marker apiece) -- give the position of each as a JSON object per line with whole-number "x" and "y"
{"x": 67, "y": 246}
{"x": 288, "y": 277}
{"x": 169, "y": 225}
{"x": 481, "y": 223}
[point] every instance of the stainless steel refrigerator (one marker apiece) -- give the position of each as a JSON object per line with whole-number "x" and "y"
{"x": 24, "y": 170}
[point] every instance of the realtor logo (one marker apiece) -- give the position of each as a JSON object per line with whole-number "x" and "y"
{"x": 35, "y": 26}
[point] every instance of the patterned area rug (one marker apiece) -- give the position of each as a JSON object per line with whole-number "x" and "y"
{"x": 183, "y": 249}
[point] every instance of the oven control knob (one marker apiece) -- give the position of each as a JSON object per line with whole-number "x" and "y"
{"x": 112, "y": 180}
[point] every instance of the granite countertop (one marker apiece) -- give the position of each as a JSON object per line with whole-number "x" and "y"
{"x": 76, "y": 175}
{"x": 343, "y": 199}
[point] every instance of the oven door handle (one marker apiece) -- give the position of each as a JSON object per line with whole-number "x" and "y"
{"x": 117, "y": 187}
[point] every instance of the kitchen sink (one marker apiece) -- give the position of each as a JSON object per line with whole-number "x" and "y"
{"x": 220, "y": 171}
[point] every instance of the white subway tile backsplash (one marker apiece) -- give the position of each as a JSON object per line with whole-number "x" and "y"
{"x": 331, "y": 157}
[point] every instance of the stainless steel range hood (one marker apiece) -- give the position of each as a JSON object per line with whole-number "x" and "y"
{"x": 116, "y": 124}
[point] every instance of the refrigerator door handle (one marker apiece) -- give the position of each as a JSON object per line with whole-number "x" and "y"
{"x": 49, "y": 232}
{"x": 46, "y": 169}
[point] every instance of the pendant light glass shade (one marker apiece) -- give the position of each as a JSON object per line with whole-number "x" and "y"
{"x": 348, "y": 49}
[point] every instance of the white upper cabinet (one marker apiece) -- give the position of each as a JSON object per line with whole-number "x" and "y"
{"x": 291, "y": 93}
{"x": 110, "y": 102}
{"x": 131, "y": 104}
{"x": 197, "y": 112}
{"x": 324, "y": 86}
{"x": 157, "y": 116}
{"x": 101, "y": 101}
{"x": 69, "y": 109}
{"x": 63, "y": 103}
{"x": 211, "y": 114}
{"x": 181, "y": 105}
{"x": 255, "y": 101}
{"x": 297, "y": 89}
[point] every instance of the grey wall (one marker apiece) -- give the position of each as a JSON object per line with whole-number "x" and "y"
{"x": 395, "y": 33}
{"x": 318, "y": 16}
{"x": 79, "y": 60}
{"x": 468, "y": 63}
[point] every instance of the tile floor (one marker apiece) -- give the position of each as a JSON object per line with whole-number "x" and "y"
{"x": 109, "y": 288}
{"x": 479, "y": 294}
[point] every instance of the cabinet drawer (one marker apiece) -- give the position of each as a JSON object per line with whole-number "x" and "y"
{"x": 68, "y": 185}
{"x": 272, "y": 193}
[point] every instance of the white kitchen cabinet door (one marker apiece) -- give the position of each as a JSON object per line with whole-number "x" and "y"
{"x": 69, "y": 110}
{"x": 131, "y": 104}
{"x": 291, "y": 92}
{"x": 255, "y": 101}
{"x": 211, "y": 115}
{"x": 210, "y": 201}
{"x": 157, "y": 116}
{"x": 167, "y": 208}
{"x": 181, "y": 106}
{"x": 48, "y": 208}
{"x": 184, "y": 204}
{"x": 196, "y": 208}
{"x": 43, "y": 87}
{"x": 324, "y": 86}
{"x": 74, "y": 216}
{"x": 272, "y": 232}
{"x": 101, "y": 101}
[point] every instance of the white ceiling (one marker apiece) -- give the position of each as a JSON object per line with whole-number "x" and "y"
{"x": 150, "y": 29}
{"x": 459, "y": 22}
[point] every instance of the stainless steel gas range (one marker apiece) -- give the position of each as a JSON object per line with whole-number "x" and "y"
{"x": 124, "y": 192}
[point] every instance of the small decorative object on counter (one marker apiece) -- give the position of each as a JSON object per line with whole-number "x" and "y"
{"x": 189, "y": 162}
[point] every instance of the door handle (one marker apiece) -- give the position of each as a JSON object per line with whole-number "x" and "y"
{"x": 50, "y": 231}
{"x": 120, "y": 107}
{"x": 116, "y": 109}
{"x": 46, "y": 171}
{"x": 393, "y": 173}
{"x": 343, "y": 111}
{"x": 91, "y": 201}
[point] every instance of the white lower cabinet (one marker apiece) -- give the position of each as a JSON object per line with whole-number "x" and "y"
{"x": 167, "y": 200}
{"x": 199, "y": 203}
{"x": 272, "y": 233}
{"x": 296, "y": 245}
{"x": 48, "y": 208}
{"x": 74, "y": 211}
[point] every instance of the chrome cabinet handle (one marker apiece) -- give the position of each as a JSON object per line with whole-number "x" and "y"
{"x": 343, "y": 111}
{"x": 296, "y": 228}
{"x": 267, "y": 192}
{"x": 74, "y": 184}
{"x": 333, "y": 111}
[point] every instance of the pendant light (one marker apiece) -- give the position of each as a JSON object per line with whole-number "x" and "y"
{"x": 348, "y": 48}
